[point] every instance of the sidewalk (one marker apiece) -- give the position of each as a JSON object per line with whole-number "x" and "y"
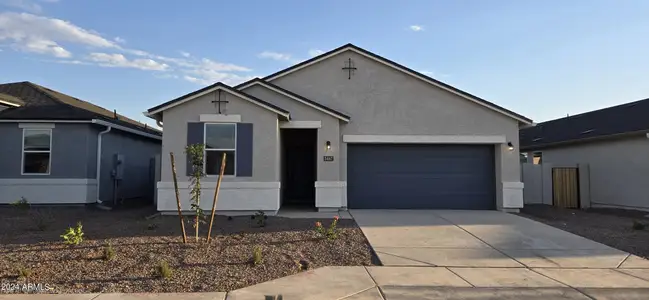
{"x": 400, "y": 283}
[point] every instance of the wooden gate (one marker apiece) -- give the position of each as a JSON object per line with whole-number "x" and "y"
{"x": 565, "y": 187}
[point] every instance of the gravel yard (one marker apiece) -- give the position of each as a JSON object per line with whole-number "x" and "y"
{"x": 612, "y": 227}
{"x": 31, "y": 239}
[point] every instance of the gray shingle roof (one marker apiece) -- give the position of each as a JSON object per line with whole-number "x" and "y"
{"x": 46, "y": 104}
{"x": 621, "y": 119}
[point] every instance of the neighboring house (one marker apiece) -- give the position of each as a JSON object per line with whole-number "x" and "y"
{"x": 56, "y": 149}
{"x": 610, "y": 146}
{"x": 345, "y": 129}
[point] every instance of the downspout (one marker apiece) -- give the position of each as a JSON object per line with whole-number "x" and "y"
{"x": 99, "y": 136}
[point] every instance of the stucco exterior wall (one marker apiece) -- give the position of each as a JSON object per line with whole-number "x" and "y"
{"x": 265, "y": 137}
{"x": 137, "y": 183}
{"x": 618, "y": 169}
{"x": 385, "y": 101}
{"x": 71, "y": 150}
{"x": 327, "y": 171}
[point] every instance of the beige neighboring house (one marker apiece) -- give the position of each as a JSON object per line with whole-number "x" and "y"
{"x": 610, "y": 148}
{"x": 345, "y": 129}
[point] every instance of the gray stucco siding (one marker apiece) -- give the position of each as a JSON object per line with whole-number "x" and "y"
{"x": 618, "y": 169}
{"x": 265, "y": 137}
{"x": 138, "y": 152}
{"x": 72, "y": 151}
{"x": 327, "y": 171}
{"x": 385, "y": 101}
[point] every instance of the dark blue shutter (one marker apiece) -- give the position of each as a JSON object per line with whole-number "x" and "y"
{"x": 195, "y": 132}
{"x": 244, "y": 149}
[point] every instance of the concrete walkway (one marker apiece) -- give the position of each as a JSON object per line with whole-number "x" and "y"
{"x": 401, "y": 283}
{"x": 451, "y": 255}
{"x": 481, "y": 239}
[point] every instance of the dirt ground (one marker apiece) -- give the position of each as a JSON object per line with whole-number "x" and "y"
{"x": 31, "y": 239}
{"x": 612, "y": 227}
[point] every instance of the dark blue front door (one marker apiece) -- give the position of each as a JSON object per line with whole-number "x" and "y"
{"x": 424, "y": 176}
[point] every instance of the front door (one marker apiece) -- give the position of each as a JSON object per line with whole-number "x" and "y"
{"x": 299, "y": 166}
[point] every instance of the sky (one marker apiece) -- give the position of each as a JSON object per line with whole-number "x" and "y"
{"x": 542, "y": 59}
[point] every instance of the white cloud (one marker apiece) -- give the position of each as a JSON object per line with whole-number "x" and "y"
{"x": 50, "y": 36}
{"x": 315, "y": 52}
{"x": 43, "y": 46}
{"x": 44, "y": 35}
{"x": 120, "y": 61}
{"x": 416, "y": 28}
{"x": 275, "y": 55}
{"x": 428, "y": 73}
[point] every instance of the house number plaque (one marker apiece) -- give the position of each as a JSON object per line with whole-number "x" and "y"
{"x": 328, "y": 158}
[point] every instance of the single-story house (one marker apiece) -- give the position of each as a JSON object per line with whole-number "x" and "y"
{"x": 345, "y": 129}
{"x": 610, "y": 146}
{"x": 57, "y": 149}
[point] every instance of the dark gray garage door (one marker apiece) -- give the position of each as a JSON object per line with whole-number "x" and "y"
{"x": 420, "y": 176}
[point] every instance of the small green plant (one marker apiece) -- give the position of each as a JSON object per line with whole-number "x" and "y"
{"x": 23, "y": 272}
{"x": 164, "y": 270}
{"x": 256, "y": 256}
{"x": 637, "y": 225}
{"x": 260, "y": 218}
{"x": 74, "y": 235}
{"x": 330, "y": 233}
{"x": 302, "y": 265}
{"x": 109, "y": 252}
{"x": 21, "y": 204}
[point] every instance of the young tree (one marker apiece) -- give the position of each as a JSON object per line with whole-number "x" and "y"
{"x": 196, "y": 153}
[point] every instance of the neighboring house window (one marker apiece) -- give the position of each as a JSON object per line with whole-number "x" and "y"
{"x": 37, "y": 151}
{"x": 220, "y": 138}
{"x": 537, "y": 158}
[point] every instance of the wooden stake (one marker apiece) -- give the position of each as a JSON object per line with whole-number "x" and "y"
{"x": 180, "y": 214}
{"x": 216, "y": 197}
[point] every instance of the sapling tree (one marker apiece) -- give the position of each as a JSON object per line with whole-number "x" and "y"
{"x": 196, "y": 156}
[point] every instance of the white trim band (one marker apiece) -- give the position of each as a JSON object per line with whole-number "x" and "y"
{"x": 36, "y": 125}
{"x": 224, "y": 184}
{"x": 301, "y": 124}
{"x": 426, "y": 139}
{"x": 220, "y": 118}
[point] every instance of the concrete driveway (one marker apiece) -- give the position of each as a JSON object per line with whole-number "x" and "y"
{"x": 481, "y": 239}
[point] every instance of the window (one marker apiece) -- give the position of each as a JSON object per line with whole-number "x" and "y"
{"x": 219, "y": 139}
{"x": 37, "y": 150}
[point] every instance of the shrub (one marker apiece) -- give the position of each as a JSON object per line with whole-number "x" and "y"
{"x": 21, "y": 204}
{"x": 256, "y": 255}
{"x": 637, "y": 225}
{"x": 260, "y": 217}
{"x": 24, "y": 273}
{"x": 330, "y": 233}
{"x": 73, "y": 236}
{"x": 164, "y": 270}
{"x": 109, "y": 252}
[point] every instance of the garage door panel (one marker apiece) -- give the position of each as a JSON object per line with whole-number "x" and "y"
{"x": 420, "y": 176}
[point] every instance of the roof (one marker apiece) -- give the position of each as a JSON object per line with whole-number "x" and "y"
{"x": 217, "y": 86}
{"x": 41, "y": 103}
{"x": 621, "y": 119}
{"x": 295, "y": 96}
{"x": 10, "y": 100}
{"x": 402, "y": 68}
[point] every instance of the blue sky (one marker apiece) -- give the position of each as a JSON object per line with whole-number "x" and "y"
{"x": 542, "y": 59}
